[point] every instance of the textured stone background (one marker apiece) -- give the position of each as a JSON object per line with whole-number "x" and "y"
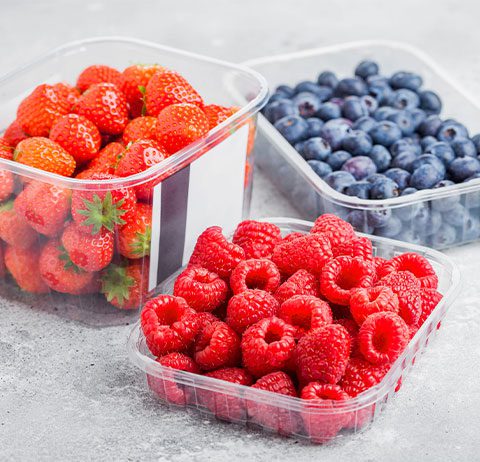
{"x": 68, "y": 392}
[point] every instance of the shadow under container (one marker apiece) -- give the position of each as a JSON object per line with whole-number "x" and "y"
{"x": 208, "y": 182}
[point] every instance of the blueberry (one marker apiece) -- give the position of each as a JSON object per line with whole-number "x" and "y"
{"x": 463, "y": 167}
{"x": 329, "y": 110}
{"x": 307, "y": 103}
{"x": 384, "y": 188}
{"x": 293, "y": 128}
{"x": 316, "y": 149}
{"x": 443, "y": 204}
{"x": 366, "y": 69}
{"x": 407, "y": 80}
{"x": 405, "y": 160}
{"x": 418, "y": 116}
{"x": 471, "y": 229}
{"x": 428, "y": 141}
{"x": 370, "y": 102}
{"x": 334, "y": 131}
{"x": 380, "y": 156}
{"x": 286, "y": 90}
{"x": 390, "y": 229}
{"x": 305, "y": 86}
{"x": 353, "y": 108}
{"x": 408, "y": 191}
{"x": 464, "y": 147}
{"x": 299, "y": 146}
{"x": 339, "y": 181}
{"x": 476, "y": 142}
{"x": 359, "y": 189}
{"x": 364, "y": 123}
{"x": 358, "y": 219}
{"x": 405, "y": 144}
{"x": 425, "y": 176}
{"x": 473, "y": 177}
{"x": 400, "y": 176}
{"x": 441, "y": 150}
{"x": 384, "y": 113}
{"x": 327, "y": 79}
{"x": 410, "y": 235}
{"x": 405, "y": 99}
{"x": 456, "y": 216}
{"x": 314, "y": 127}
{"x": 380, "y": 90}
{"x": 357, "y": 143}
{"x": 278, "y": 109}
{"x": 432, "y": 160}
{"x": 385, "y": 133}
{"x": 360, "y": 167}
{"x": 408, "y": 211}
{"x": 378, "y": 217}
{"x": 451, "y": 130}
{"x": 446, "y": 236}
{"x": 376, "y": 177}
{"x": 275, "y": 97}
{"x": 377, "y": 79}
{"x": 337, "y": 159}
{"x": 404, "y": 120}
{"x": 430, "y": 102}
{"x": 322, "y": 169}
{"x": 427, "y": 222}
{"x": 351, "y": 86}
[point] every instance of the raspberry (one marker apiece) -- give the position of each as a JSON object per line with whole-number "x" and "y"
{"x": 309, "y": 252}
{"x": 217, "y": 346}
{"x": 168, "y": 324}
{"x": 299, "y": 283}
{"x": 343, "y": 274}
{"x": 323, "y": 426}
{"x": 204, "y": 318}
{"x": 201, "y": 289}
{"x": 334, "y": 228}
{"x": 360, "y": 375}
{"x": 255, "y": 274}
{"x": 430, "y": 299}
{"x": 166, "y": 387}
{"x": 305, "y": 313}
{"x": 247, "y": 308}
{"x": 267, "y": 346}
{"x": 378, "y": 263}
{"x": 322, "y": 354}
{"x": 364, "y": 302}
{"x": 225, "y": 406}
{"x": 292, "y": 236}
{"x": 419, "y": 266}
{"x": 213, "y": 252}
{"x": 383, "y": 337}
{"x": 256, "y": 238}
{"x": 407, "y": 288}
{"x": 356, "y": 247}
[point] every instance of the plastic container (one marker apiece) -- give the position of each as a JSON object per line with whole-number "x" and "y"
{"x": 207, "y": 182}
{"x": 421, "y": 214}
{"x": 286, "y": 415}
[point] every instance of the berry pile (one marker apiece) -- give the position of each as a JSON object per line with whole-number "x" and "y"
{"x": 111, "y": 124}
{"x": 315, "y": 316}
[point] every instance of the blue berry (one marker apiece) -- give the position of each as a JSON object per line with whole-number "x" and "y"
{"x": 359, "y": 189}
{"x": 286, "y": 90}
{"x": 384, "y": 113}
{"x": 307, "y": 103}
{"x": 401, "y": 177}
{"x": 353, "y": 108}
{"x": 428, "y": 141}
{"x": 385, "y": 133}
{"x": 408, "y": 191}
{"x": 456, "y": 216}
{"x": 443, "y": 204}
{"x": 357, "y": 143}
{"x": 407, "y": 80}
{"x": 410, "y": 235}
{"x": 463, "y": 167}
{"x": 384, "y": 188}
{"x": 322, "y": 169}
{"x": 334, "y": 131}
{"x": 390, "y": 229}
{"x": 408, "y": 211}
{"x": 425, "y": 176}
{"x": 464, "y": 147}
{"x": 299, "y": 146}
{"x": 430, "y": 126}
{"x": 276, "y": 97}
{"x": 293, "y": 128}
{"x": 358, "y": 219}
{"x": 360, "y": 167}
{"x": 370, "y": 102}
{"x": 445, "y": 237}
{"x": 405, "y": 99}
{"x": 404, "y": 120}
{"x": 316, "y": 149}
{"x": 405, "y": 160}
{"x": 471, "y": 228}
{"x": 380, "y": 90}
{"x": 351, "y": 87}
{"x": 451, "y": 130}
{"x": 441, "y": 150}
{"x": 380, "y": 156}
{"x": 418, "y": 116}
{"x": 364, "y": 123}
{"x": 375, "y": 177}
{"x": 337, "y": 159}
{"x": 366, "y": 69}
{"x": 305, "y": 85}
{"x": 329, "y": 110}
{"x": 339, "y": 181}
{"x": 314, "y": 127}
{"x": 279, "y": 109}
{"x": 430, "y": 102}
{"x": 476, "y": 142}
{"x": 432, "y": 160}
{"x": 378, "y": 217}
{"x": 427, "y": 222}
{"x": 327, "y": 79}
{"x": 475, "y": 176}
{"x": 405, "y": 144}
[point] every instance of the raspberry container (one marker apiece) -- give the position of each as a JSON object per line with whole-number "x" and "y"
{"x": 421, "y": 214}
{"x": 286, "y": 415}
{"x": 207, "y": 182}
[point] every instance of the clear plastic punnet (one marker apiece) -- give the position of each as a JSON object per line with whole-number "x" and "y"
{"x": 422, "y": 215}
{"x": 208, "y": 181}
{"x": 289, "y": 416}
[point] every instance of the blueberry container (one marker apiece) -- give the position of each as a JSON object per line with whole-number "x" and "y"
{"x": 207, "y": 182}
{"x": 289, "y": 416}
{"x": 438, "y": 218}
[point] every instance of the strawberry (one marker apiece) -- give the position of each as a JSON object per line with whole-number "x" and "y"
{"x": 134, "y": 237}
{"x": 6, "y": 150}
{"x": 23, "y": 265}
{"x": 78, "y": 136}
{"x": 90, "y": 253}
{"x": 166, "y": 88}
{"x": 99, "y": 74}
{"x": 46, "y": 155}
{"x": 38, "y": 111}
{"x": 136, "y": 81}
{"x": 141, "y": 128}
{"x": 125, "y": 286}
{"x": 3, "y": 269}
{"x": 45, "y": 207}
{"x": 7, "y": 180}
{"x": 218, "y": 114}
{"x": 107, "y": 159}
{"x": 179, "y": 125}
{"x": 60, "y": 273}
{"x": 71, "y": 94}
{"x": 94, "y": 209}
{"x": 14, "y": 230}
{"x": 14, "y": 134}
{"x": 104, "y": 105}
{"x": 140, "y": 156}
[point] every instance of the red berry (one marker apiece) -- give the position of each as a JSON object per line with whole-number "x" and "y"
{"x": 366, "y": 301}
{"x": 352, "y": 329}
{"x": 292, "y": 236}
{"x": 356, "y": 247}
{"x": 360, "y": 375}
{"x": 217, "y": 114}
{"x": 430, "y": 299}
{"x": 305, "y": 313}
{"x": 99, "y": 74}
{"x": 14, "y": 230}
{"x": 336, "y": 229}
{"x": 299, "y": 283}
{"x": 106, "y": 160}
{"x": 322, "y": 354}
{"x": 141, "y": 128}
{"x": 217, "y": 345}
{"x": 257, "y": 238}
{"x": 255, "y": 274}
{"x": 247, "y": 308}
{"x": 14, "y": 134}
{"x": 204, "y": 318}
{"x": 168, "y": 324}
{"x": 378, "y": 262}
{"x": 201, "y": 289}
{"x": 342, "y": 275}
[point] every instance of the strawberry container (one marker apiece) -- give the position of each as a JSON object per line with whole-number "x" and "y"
{"x": 286, "y": 415}
{"x": 422, "y": 215}
{"x": 208, "y": 181}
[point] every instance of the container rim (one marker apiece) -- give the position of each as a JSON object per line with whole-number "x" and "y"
{"x": 365, "y": 399}
{"x": 180, "y": 158}
{"x": 300, "y": 163}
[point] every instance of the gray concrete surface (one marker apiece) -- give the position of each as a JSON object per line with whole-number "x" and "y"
{"x": 68, "y": 392}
